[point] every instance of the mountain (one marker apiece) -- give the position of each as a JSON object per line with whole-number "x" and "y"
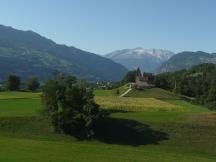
{"x": 185, "y": 60}
{"x": 27, "y": 53}
{"x": 146, "y": 59}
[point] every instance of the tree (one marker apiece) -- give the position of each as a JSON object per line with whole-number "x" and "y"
{"x": 33, "y": 84}
{"x": 129, "y": 77}
{"x": 13, "y": 83}
{"x": 212, "y": 95}
{"x": 150, "y": 77}
{"x": 162, "y": 81}
{"x": 70, "y": 106}
{"x": 117, "y": 91}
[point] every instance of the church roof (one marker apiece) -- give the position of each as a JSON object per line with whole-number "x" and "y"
{"x": 138, "y": 72}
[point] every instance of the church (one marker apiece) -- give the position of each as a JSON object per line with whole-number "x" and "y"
{"x": 141, "y": 80}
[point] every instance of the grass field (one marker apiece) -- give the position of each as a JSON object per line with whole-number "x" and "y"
{"x": 136, "y": 104}
{"x": 146, "y": 133}
{"x": 110, "y": 92}
{"x": 152, "y": 93}
{"x": 19, "y": 107}
{"x": 19, "y": 95}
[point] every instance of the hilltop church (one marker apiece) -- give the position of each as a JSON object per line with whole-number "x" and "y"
{"x": 141, "y": 80}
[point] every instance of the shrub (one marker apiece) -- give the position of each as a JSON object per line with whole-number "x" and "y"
{"x": 70, "y": 106}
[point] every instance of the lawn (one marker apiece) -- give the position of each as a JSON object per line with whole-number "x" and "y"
{"x": 19, "y": 107}
{"x": 111, "y": 92}
{"x": 18, "y": 95}
{"x": 15, "y": 104}
{"x": 147, "y": 133}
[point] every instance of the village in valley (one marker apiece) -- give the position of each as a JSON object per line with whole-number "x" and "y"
{"x": 107, "y": 81}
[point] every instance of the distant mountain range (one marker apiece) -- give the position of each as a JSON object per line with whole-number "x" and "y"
{"x": 147, "y": 60}
{"x": 158, "y": 60}
{"x": 26, "y": 53}
{"x": 185, "y": 60}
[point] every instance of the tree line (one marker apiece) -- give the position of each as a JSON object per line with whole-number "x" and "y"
{"x": 198, "y": 82}
{"x": 13, "y": 83}
{"x": 68, "y": 103}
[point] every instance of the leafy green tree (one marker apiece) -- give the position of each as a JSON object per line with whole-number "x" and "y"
{"x": 33, "y": 84}
{"x": 212, "y": 95}
{"x": 163, "y": 81}
{"x": 70, "y": 106}
{"x": 12, "y": 83}
{"x": 129, "y": 77}
{"x": 150, "y": 77}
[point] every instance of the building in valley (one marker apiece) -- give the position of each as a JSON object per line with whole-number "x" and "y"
{"x": 141, "y": 80}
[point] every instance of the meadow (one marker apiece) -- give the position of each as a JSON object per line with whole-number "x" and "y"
{"x": 112, "y": 92}
{"x": 152, "y": 125}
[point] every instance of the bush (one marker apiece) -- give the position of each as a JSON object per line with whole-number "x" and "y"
{"x": 70, "y": 106}
{"x": 117, "y": 91}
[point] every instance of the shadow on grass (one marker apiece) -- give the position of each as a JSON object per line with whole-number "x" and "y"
{"x": 128, "y": 132}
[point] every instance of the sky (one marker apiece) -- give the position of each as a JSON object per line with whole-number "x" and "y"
{"x": 102, "y": 26}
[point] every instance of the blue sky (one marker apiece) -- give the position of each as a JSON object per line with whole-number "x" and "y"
{"x": 102, "y": 26}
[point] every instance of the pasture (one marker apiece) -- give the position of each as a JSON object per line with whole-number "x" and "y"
{"x": 136, "y": 104}
{"x": 153, "y": 93}
{"x": 111, "y": 92}
{"x": 141, "y": 127}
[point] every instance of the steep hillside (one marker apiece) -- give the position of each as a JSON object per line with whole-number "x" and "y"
{"x": 26, "y": 53}
{"x": 147, "y": 59}
{"x": 196, "y": 83}
{"x": 186, "y": 60}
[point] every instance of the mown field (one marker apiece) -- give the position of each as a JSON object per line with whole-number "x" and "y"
{"x": 150, "y": 126}
{"x": 111, "y": 92}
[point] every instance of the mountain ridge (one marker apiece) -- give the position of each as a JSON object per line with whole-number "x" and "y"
{"x": 185, "y": 60}
{"x": 29, "y": 54}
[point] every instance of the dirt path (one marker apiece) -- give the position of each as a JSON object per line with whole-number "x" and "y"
{"x": 125, "y": 93}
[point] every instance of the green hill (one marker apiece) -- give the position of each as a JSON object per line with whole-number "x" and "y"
{"x": 152, "y": 93}
{"x": 198, "y": 83}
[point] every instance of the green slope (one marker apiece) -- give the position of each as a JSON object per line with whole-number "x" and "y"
{"x": 153, "y": 93}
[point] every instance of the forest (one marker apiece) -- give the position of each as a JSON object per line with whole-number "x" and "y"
{"x": 198, "y": 82}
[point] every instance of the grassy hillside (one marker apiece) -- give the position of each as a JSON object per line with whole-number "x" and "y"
{"x": 139, "y": 135}
{"x": 152, "y": 93}
{"x": 112, "y": 92}
{"x": 136, "y": 104}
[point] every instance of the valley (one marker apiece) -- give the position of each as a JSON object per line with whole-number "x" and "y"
{"x": 107, "y": 81}
{"x": 155, "y": 125}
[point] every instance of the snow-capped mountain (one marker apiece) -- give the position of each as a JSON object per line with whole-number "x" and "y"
{"x": 147, "y": 59}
